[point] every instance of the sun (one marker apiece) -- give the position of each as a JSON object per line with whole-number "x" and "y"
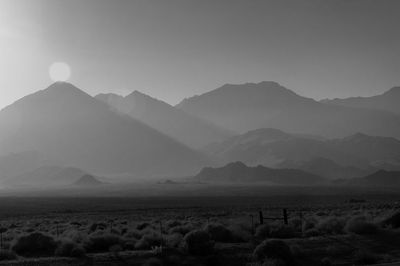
{"x": 59, "y": 71}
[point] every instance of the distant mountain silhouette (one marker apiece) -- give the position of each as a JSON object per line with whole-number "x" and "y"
{"x": 326, "y": 168}
{"x": 87, "y": 181}
{"x": 379, "y": 178}
{"x": 46, "y": 176}
{"x": 71, "y": 127}
{"x": 350, "y": 156}
{"x": 169, "y": 120}
{"x": 250, "y": 106}
{"x": 14, "y": 164}
{"x": 239, "y": 172}
{"x": 388, "y": 101}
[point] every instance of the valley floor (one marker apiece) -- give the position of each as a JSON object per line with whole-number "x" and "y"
{"x": 322, "y": 229}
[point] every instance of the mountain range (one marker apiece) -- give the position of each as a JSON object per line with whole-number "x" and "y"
{"x": 69, "y": 126}
{"x": 190, "y": 130}
{"x": 239, "y": 172}
{"x": 250, "y": 106}
{"x": 352, "y": 156}
{"x": 262, "y": 125}
{"x": 388, "y": 101}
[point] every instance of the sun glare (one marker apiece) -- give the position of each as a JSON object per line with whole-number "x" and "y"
{"x": 59, "y": 71}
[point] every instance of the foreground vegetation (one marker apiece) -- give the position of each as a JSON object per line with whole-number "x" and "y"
{"x": 320, "y": 231}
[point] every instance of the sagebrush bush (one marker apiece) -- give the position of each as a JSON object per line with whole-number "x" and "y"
{"x": 312, "y": 232}
{"x": 283, "y": 231}
{"x": 153, "y": 262}
{"x": 172, "y": 223}
{"x": 326, "y": 262}
{"x": 273, "y": 249}
{"x": 142, "y": 226}
{"x": 182, "y": 229}
{"x": 75, "y": 235}
{"x": 274, "y": 262}
{"x": 331, "y": 225}
{"x": 7, "y": 255}
{"x": 198, "y": 242}
{"x": 174, "y": 240}
{"x": 218, "y": 232}
{"x": 239, "y": 233}
{"x": 392, "y": 221}
{"x": 35, "y": 245}
{"x": 149, "y": 240}
{"x": 101, "y": 242}
{"x": 68, "y": 248}
{"x": 262, "y": 231}
{"x": 363, "y": 257}
{"x": 360, "y": 225}
{"x": 133, "y": 234}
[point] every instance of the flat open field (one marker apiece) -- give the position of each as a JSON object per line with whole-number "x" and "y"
{"x": 341, "y": 229}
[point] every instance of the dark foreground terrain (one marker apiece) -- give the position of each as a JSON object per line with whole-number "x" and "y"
{"x": 346, "y": 229}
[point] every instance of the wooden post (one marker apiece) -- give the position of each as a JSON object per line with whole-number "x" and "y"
{"x": 301, "y": 219}
{"x": 252, "y": 224}
{"x": 261, "y": 217}
{"x": 161, "y": 233}
{"x": 285, "y": 217}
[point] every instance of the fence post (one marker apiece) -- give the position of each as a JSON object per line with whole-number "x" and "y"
{"x": 161, "y": 233}
{"x": 261, "y": 217}
{"x": 301, "y": 219}
{"x": 252, "y": 224}
{"x": 285, "y": 217}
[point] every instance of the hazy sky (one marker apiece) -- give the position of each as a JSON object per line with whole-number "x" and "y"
{"x": 175, "y": 49}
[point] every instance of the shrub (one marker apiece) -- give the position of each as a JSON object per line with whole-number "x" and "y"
{"x": 101, "y": 243}
{"x": 75, "y": 236}
{"x": 35, "y": 245}
{"x": 153, "y": 262}
{"x": 296, "y": 223}
{"x": 149, "y": 240}
{"x": 283, "y": 231}
{"x": 262, "y": 231}
{"x": 363, "y": 257}
{"x": 274, "y": 262}
{"x": 142, "y": 226}
{"x": 331, "y": 225}
{"x": 7, "y": 255}
{"x": 360, "y": 226}
{"x": 239, "y": 234}
{"x": 68, "y": 248}
{"x": 393, "y": 221}
{"x": 198, "y": 242}
{"x": 182, "y": 229}
{"x": 273, "y": 249}
{"x": 326, "y": 262}
{"x": 174, "y": 240}
{"x": 218, "y": 232}
{"x": 172, "y": 223}
{"x": 134, "y": 234}
{"x": 312, "y": 232}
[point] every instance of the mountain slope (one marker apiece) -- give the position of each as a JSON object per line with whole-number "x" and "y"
{"x": 239, "y": 172}
{"x": 250, "y": 106}
{"x": 87, "y": 181}
{"x": 379, "y": 178}
{"x": 326, "y": 168}
{"x": 388, "y": 101}
{"x": 191, "y": 131}
{"x": 46, "y": 176}
{"x": 71, "y": 127}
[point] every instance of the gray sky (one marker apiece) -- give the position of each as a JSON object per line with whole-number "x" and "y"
{"x": 175, "y": 49}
